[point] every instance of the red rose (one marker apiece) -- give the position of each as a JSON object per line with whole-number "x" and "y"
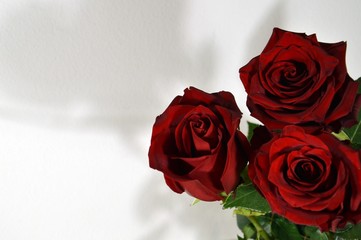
{"x": 298, "y": 80}
{"x": 197, "y": 145}
{"x": 309, "y": 179}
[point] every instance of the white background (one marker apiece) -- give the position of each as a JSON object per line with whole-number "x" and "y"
{"x": 81, "y": 82}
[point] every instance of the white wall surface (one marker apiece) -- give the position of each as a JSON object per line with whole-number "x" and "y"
{"x": 81, "y": 82}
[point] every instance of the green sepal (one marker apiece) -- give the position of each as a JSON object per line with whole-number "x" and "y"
{"x": 251, "y": 127}
{"x": 195, "y": 201}
{"x": 342, "y": 136}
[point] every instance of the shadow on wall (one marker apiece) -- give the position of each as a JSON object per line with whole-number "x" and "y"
{"x": 261, "y": 34}
{"x": 184, "y": 216}
{"x": 263, "y": 29}
{"x": 109, "y": 64}
{"x": 170, "y": 213}
{"x": 114, "y": 60}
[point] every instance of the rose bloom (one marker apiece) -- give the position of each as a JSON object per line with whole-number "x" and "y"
{"x": 197, "y": 145}
{"x": 298, "y": 80}
{"x": 309, "y": 179}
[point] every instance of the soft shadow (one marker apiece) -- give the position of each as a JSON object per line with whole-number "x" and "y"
{"x": 112, "y": 64}
{"x": 263, "y": 29}
{"x": 158, "y": 205}
{"x": 204, "y": 219}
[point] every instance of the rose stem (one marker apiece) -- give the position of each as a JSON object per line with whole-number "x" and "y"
{"x": 329, "y": 236}
{"x": 259, "y": 229}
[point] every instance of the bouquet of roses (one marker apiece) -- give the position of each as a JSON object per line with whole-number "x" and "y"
{"x": 298, "y": 174}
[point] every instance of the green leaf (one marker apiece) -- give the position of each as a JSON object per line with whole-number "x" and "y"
{"x": 352, "y": 233}
{"x": 247, "y": 200}
{"x": 313, "y": 233}
{"x": 354, "y": 133}
{"x": 266, "y": 221}
{"x": 284, "y": 229}
{"x": 251, "y": 127}
{"x": 242, "y": 221}
{"x": 240, "y": 238}
{"x": 244, "y": 175}
{"x": 249, "y": 231}
{"x": 345, "y": 229}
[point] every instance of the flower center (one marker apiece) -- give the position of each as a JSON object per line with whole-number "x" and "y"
{"x": 307, "y": 170}
{"x": 293, "y": 71}
{"x": 200, "y": 125}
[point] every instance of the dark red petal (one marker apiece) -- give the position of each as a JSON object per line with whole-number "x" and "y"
{"x": 174, "y": 185}
{"x": 196, "y": 189}
{"x": 238, "y": 153}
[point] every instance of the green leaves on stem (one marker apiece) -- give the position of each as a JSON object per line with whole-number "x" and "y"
{"x": 247, "y": 201}
{"x": 250, "y": 207}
